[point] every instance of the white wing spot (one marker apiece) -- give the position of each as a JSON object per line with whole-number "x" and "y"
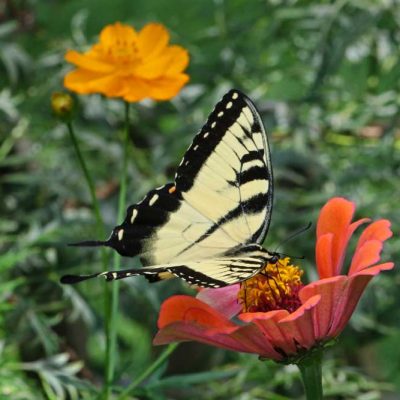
{"x": 235, "y": 96}
{"x": 187, "y": 162}
{"x": 229, "y": 105}
{"x": 134, "y": 215}
{"x": 154, "y": 199}
{"x": 220, "y": 114}
{"x": 120, "y": 234}
{"x": 196, "y": 147}
{"x": 213, "y": 124}
{"x": 114, "y": 275}
{"x": 206, "y": 134}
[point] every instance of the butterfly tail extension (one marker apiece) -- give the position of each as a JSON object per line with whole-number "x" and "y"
{"x": 89, "y": 243}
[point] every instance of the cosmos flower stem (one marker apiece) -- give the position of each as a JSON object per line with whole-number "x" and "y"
{"x": 88, "y": 178}
{"x": 89, "y": 181}
{"x": 311, "y": 375}
{"x": 112, "y": 304}
{"x": 151, "y": 368}
{"x": 101, "y": 232}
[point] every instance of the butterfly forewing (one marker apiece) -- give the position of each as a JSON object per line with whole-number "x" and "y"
{"x": 221, "y": 200}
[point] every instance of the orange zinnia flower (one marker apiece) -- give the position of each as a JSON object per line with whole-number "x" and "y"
{"x": 280, "y": 317}
{"x": 129, "y": 64}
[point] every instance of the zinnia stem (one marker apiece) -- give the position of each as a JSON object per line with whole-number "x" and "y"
{"x": 111, "y": 348}
{"x": 311, "y": 374}
{"x": 151, "y": 368}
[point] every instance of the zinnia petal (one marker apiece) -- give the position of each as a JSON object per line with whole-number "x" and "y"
{"x": 224, "y": 300}
{"x": 186, "y": 318}
{"x": 330, "y": 290}
{"x": 378, "y": 230}
{"x": 186, "y": 308}
{"x": 365, "y": 256}
{"x": 268, "y": 325}
{"x": 351, "y": 295}
{"x": 300, "y": 323}
{"x": 335, "y": 218}
{"x": 323, "y": 256}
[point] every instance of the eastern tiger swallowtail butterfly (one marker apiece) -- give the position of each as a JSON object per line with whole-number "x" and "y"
{"x": 208, "y": 226}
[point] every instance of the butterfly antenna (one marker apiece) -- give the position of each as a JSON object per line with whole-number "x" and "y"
{"x": 293, "y": 235}
{"x": 292, "y": 257}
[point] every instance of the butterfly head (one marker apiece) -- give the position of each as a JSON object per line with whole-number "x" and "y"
{"x": 275, "y": 257}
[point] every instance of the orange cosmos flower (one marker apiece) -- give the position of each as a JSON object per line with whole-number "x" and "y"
{"x": 280, "y": 317}
{"x": 129, "y": 64}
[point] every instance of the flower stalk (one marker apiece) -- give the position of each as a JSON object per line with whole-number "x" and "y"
{"x": 151, "y": 369}
{"x": 311, "y": 374}
{"x": 104, "y": 258}
{"x": 88, "y": 178}
{"x": 113, "y": 295}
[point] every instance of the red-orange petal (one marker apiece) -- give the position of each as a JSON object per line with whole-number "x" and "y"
{"x": 186, "y": 318}
{"x": 323, "y": 256}
{"x": 186, "y": 308}
{"x": 378, "y": 230}
{"x": 223, "y": 300}
{"x": 268, "y": 325}
{"x": 247, "y": 339}
{"x": 335, "y": 216}
{"x": 349, "y": 299}
{"x": 351, "y": 295}
{"x": 325, "y": 312}
{"x": 300, "y": 323}
{"x": 366, "y": 255}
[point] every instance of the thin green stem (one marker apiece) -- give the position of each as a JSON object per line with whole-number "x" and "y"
{"x": 101, "y": 232}
{"x": 111, "y": 344}
{"x": 311, "y": 374}
{"x": 151, "y": 368}
{"x": 89, "y": 180}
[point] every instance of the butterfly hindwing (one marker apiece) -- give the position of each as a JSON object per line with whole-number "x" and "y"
{"x": 211, "y": 272}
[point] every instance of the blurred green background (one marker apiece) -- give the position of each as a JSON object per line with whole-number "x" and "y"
{"x": 325, "y": 77}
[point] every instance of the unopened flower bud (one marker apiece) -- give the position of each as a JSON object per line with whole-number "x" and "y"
{"x": 62, "y": 105}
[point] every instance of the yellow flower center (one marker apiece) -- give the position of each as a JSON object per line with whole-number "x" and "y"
{"x": 122, "y": 51}
{"x": 275, "y": 287}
